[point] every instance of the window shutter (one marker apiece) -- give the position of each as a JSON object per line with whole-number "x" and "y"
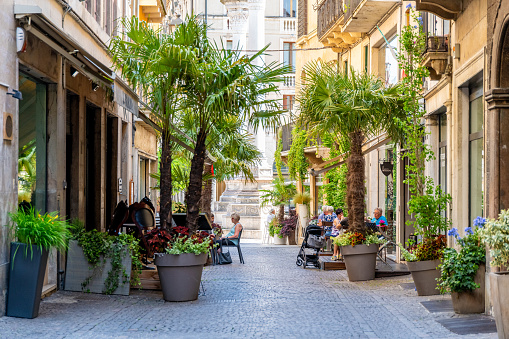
{"x": 302, "y": 18}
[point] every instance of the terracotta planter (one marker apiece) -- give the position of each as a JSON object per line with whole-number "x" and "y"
{"x": 360, "y": 261}
{"x": 471, "y": 301}
{"x": 180, "y": 275}
{"x": 499, "y": 287}
{"x": 279, "y": 241}
{"x": 425, "y": 275}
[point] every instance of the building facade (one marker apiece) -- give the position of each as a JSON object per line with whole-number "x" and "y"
{"x": 67, "y": 110}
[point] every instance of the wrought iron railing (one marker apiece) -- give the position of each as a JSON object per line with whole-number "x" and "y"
{"x": 437, "y": 44}
{"x": 329, "y": 12}
{"x": 350, "y": 6}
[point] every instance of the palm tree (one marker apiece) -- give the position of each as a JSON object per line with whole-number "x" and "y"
{"x": 157, "y": 63}
{"x": 279, "y": 195}
{"x": 353, "y": 107}
{"x": 220, "y": 85}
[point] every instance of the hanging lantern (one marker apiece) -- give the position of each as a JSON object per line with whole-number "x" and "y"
{"x": 386, "y": 168}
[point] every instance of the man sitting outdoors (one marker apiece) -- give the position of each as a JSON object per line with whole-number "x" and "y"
{"x": 379, "y": 219}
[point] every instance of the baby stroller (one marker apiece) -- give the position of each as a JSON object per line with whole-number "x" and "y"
{"x": 314, "y": 240}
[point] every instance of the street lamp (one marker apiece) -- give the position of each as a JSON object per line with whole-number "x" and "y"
{"x": 175, "y": 21}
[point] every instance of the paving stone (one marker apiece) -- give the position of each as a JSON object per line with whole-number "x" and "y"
{"x": 268, "y": 297}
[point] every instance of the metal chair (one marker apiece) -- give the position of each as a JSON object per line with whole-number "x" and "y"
{"x": 229, "y": 243}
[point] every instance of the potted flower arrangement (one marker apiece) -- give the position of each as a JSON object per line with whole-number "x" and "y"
{"x": 36, "y": 234}
{"x": 180, "y": 266}
{"x": 275, "y": 232}
{"x": 462, "y": 273}
{"x": 101, "y": 263}
{"x": 496, "y": 236}
{"x": 359, "y": 253}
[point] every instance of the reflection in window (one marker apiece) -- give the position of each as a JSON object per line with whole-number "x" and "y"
{"x": 32, "y": 143}
{"x": 289, "y": 55}
{"x": 391, "y": 63}
{"x": 290, "y": 8}
{"x": 476, "y": 154}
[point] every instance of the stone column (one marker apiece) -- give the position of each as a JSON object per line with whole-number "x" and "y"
{"x": 257, "y": 27}
{"x": 238, "y": 13}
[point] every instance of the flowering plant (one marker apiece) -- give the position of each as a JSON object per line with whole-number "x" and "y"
{"x": 351, "y": 238}
{"x": 289, "y": 224}
{"x": 216, "y": 228}
{"x": 275, "y": 228}
{"x": 496, "y": 236}
{"x": 458, "y": 269}
{"x": 182, "y": 241}
{"x": 429, "y": 249}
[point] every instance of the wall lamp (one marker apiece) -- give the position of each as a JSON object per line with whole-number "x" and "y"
{"x": 95, "y": 87}
{"x": 16, "y": 94}
{"x": 74, "y": 72}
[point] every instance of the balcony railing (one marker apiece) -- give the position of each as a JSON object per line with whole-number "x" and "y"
{"x": 289, "y": 26}
{"x": 329, "y": 12}
{"x": 288, "y": 80}
{"x": 437, "y": 44}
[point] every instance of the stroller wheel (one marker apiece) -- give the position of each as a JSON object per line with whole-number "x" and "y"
{"x": 299, "y": 262}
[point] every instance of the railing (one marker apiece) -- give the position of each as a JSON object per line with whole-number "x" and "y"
{"x": 437, "y": 44}
{"x": 329, "y": 12}
{"x": 288, "y": 80}
{"x": 350, "y": 7}
{"x": 289, "y": 25}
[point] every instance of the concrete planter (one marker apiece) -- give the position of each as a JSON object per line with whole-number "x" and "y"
{"x": 425, "y": 275}
{"x": 279, "y": 241}
{"x": 471, "y": 301}
{"x": 26, "y": 277}
{"x": 78, "y": 270}
{"x": 499, "y": 287}
{"x": 360, "y": 261}
{"x": 180, "y": 275}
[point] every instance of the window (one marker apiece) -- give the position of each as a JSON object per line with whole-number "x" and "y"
{"x": 288, "y": 102}
{"x": 366, "y": 58}
{"x": 442, "y": 151}
{"x": 289, "y": 55}
{"x": 345, "y": 67}
{"x": 391, "y": 63}
{"x": 290, "y": 8}
{"x": 229, "y": 45}
{"x": 476, "y": 152}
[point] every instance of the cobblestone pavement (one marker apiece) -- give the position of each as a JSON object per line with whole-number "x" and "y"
{"x": 268, "y": 297}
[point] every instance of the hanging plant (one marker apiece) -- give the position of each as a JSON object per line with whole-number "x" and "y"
{"x": 297, "y": 162}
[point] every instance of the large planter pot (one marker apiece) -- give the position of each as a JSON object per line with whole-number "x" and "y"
{"x": 26, "y": 277}
{"x": 499, "y": 287}
{"x": 78, "y": 270}
{"x": 291, "y": 238}
{"x": 425, "y": 275}
{"x": 360, "y": 261}
{"x": 180, "y": 275}
{"x": 471, "y": 301}
{"x": 279, "y": 241}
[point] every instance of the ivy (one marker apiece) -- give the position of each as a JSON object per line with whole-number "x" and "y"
{"x": 277, "y": 155}
{"x": 335, "y": 189}
{"x": 297, "y": 162}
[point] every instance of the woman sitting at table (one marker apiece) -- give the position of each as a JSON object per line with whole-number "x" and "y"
{"x": 232, "y": 238}
{"x": 326, "y": 219}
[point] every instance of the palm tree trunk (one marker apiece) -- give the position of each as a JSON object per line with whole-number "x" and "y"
{"x": 355, "y": 184}
{"x": 194, "y": 190}
{"x": 206, "y": 199}
{"x": 165, "y": 181}
{"x": 281, "y": 214}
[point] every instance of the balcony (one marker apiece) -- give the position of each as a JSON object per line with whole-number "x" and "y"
{"x": 329, "y": 14}
{"x": 436, "y": 56}
{"x": 362, "y": 15}
{"x": 448, "y": 10}
{"x": 314, "y": 152}
{"x": 288, "y": 26}
{"x": 288, "y": 81}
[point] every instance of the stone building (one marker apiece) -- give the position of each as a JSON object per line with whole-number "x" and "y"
{"x": 63, "y": 103}
{"x": 248, "y": 26}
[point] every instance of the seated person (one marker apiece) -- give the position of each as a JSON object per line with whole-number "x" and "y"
{"x": 232, "y": 238}
{"x": 326, "y": 219}
{"x": 379, "y": 219}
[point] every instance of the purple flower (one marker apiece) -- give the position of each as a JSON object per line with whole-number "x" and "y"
{"x": 479, "y": 222}
{"x": 409, "y": 6}
{"x": 468, "y": 230}
{"x": 420, "y": 19}
{"x": 453, "y": 232}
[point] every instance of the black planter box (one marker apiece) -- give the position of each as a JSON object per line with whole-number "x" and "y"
{"x": 26, "y": 277}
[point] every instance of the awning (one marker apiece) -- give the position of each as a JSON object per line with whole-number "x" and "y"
{"x": 34, "y": 21}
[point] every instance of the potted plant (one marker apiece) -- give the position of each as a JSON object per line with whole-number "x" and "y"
{"x": 180, "y": 266}
{"x": 275, "y": 232}
{"x": 496, "y": 237}
{"x": 289, "y": 226}
{"x": 359, "y": 253}
{"x": 102, "y": 263}
{"x": 463, "y": 272}
{"x": 36, "y": 234}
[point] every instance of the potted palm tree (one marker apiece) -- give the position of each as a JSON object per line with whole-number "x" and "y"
{"x": 496, "y": 237}
{"x": 351, "y": 107}
{"x": 36, "y": 234}
{"x": 463, "y": 272}
{"x": 180, "y": 266}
